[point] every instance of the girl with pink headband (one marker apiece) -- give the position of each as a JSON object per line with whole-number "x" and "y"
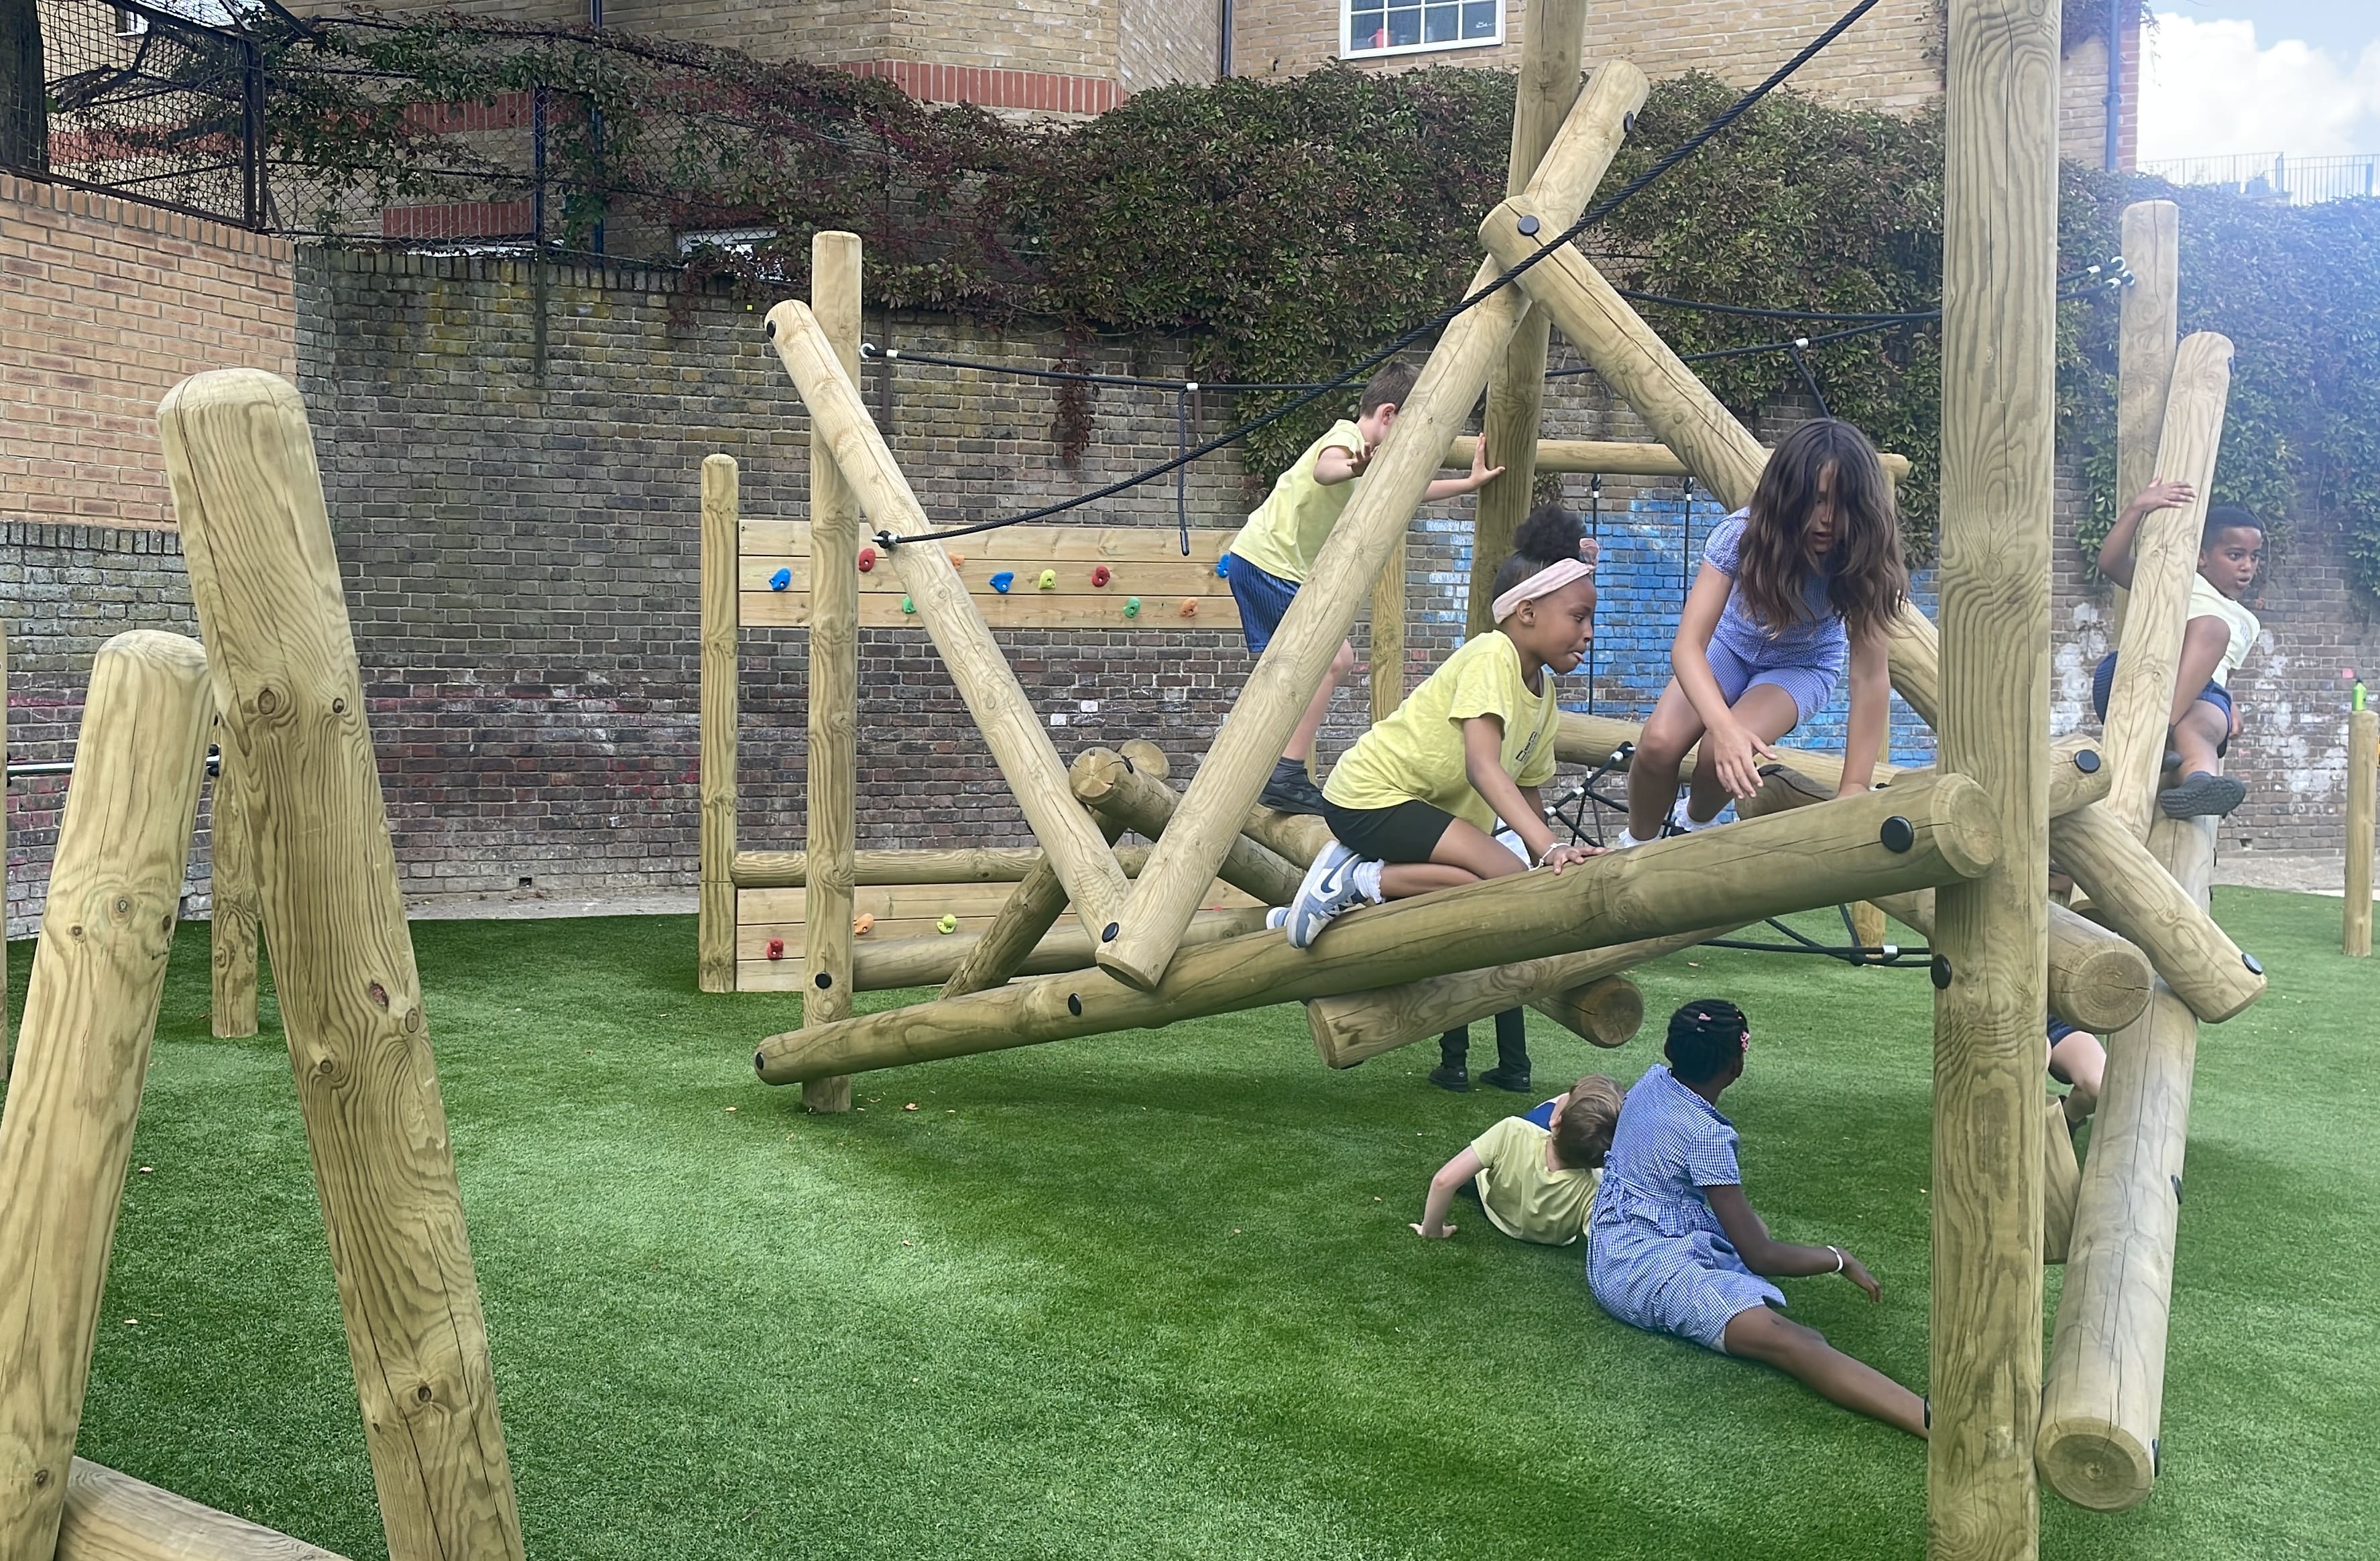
{"x": 1413, "y": 805}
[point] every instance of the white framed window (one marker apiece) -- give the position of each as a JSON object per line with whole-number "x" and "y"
{"x": 129, "y": 23}
{"x": 1370, "y": 28}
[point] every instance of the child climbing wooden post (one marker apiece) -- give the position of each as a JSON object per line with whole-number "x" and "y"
{"x": 265, "y": 579}
{"x": 834, "y": 774}
{"x": 715, "y": 923}
{"x": 2362, "y": 781}
{"x": 1999, "y": 369}
{"x": 1300, "y": 654}
{"x": 116, "y": 883}
{"x": 235, "y": 924}
{"x": 1548, "y": 86}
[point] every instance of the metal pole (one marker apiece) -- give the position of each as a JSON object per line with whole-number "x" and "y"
{"x": 251, "y": 117}
{"x": 2119, "y": 12}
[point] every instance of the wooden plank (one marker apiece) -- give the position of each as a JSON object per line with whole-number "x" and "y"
{"x": 755, "y": 907}
{"x": 265, "y": 579}
{"x": 1999, "y": 395}
{"x": 1018, "y": 742}
{"x": 790, "y": 869}
{"x": 2362, "y": 782}
{"x": 714, "y": 934}
{"x": 1618, "y": 458}
{"x": 1039, "y": 610}
{"x": 2148, "y": 316}
{"x": 236, "y": 921}
{"x": 1552, "y": 43}
{"x": 1215, "y": 805}
{"x": 113, "y": 1517}
{"x": 99, "y": 972}
{"x": 1048, "y": 546}
{"x": 1821, "y": 855}
{"x": 2164, "y": 562}
{"x": 1173, "y": 577}
{"x": 2104, "y": 1398}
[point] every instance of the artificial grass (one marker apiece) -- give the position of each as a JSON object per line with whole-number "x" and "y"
{"x": 1153, "y": 1295}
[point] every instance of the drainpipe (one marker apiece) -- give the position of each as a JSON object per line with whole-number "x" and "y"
{"x": 1223, "y": 48}
{"x": 2116, "y": 10}
{"x": 595, "y": 118}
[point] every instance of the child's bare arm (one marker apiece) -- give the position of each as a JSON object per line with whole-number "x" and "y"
{"x": 1482, "y": 474}
{"x": 2203, "y": 641}
{"x": 1870, "y": 691}
{"x": 1337, "y": 464}
{"x": 1483, "y": 762}
{"x": 2116, "y": 553}
{"x": 1450, "y": 1176}
{"x": 1780, "y": 1260}
{"x": 1732, "y": 745}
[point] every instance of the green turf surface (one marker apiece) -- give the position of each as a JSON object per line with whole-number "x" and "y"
{"x": 1153, "y": 1295}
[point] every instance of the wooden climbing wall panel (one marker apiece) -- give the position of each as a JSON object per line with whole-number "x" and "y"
{"x": 1147, "y": 583}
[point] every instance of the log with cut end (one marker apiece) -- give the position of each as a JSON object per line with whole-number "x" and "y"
{"x": 1112, "y": 785}
{"x": 113, "y": 1517}
{"x": 1605, "y": 1012}
{"x": 1926, "y": 831}
{"x": 2134, "y": 895}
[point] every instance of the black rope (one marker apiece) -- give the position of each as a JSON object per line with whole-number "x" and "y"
{"x": 1809, "y": 379}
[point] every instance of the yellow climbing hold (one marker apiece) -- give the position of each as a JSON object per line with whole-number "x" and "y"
{"x": 948, "y": 924}
{"x": 1049, "y": 581}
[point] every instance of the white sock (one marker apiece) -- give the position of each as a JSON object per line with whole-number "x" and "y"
{"x": 1683, "y": 820}
{"x": 1368, "y": 880}
{"x": 1625, "y": 841}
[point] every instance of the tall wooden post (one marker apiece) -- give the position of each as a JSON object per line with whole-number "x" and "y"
{"x": 1999, "y": 364}
{"x": 1293, "y": 667}
{"x": 2362, "y": 780}
{"x": 2149, "y": 314}
{"x": 235, "y": 925}
{"x": 1389, "y": 635}
{"x": 834, "y": 678}
{"x": 8, "y": 1044}
{"x": 1548, "y": 84}
{"x": 115, "y": 886}
{"x": 265, "y": 579}
{"x": 715, "y": 918}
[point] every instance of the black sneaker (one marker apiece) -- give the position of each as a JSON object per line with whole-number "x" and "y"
{"x": 1513, "y": 1080}
{"x": 2203, "y": 794}
{"x": 1455, "y": 1079}
{"x": 1291, "y": 790}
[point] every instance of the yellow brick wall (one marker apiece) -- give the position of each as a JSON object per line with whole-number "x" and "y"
{"x": 1162, "y": 41}
{"x": 1064, "y": 37}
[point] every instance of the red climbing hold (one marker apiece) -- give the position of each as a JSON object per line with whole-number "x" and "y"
{"x": 776, "y": 947}
{"x": 1100, "y": 576}
{"x": 867, "y": 560}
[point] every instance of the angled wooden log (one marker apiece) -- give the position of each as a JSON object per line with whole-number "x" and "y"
{"x": 714, "y": 932}
{"x": 1999, "y": 488}
{"x": 1552, "y": 44}
{"x": 8, "y": 1041}
{"x": 1095, "y": 884}
{"x": 1605, "y": 1012}
{"x": 113, "y": 1517}
{"x": 2148, "y": 315}
{"x": 832, "y": 779}
{"x": 2104, "y": 1399}
{"x": 2133, "y": 894}
{"x": 1022, "y": 924}
{"x": 1921, "y": 833}
{"x": 1129, "y": 795}
{"x": 1615, "y": 458}
{"x": 893, "y": 964}
{"x": 1217, "y": 803}
{"x": 2061, "y": 1183}
{"x": 235, "y": 922}
{"x": 99, "y": 970}
{"x": 2362, "y": 783}
{"x": 2165, "y": 559}
{"x": 265, "y": 579}
{"x": 1293, "y": 837}
{"x": 877, "y": 869}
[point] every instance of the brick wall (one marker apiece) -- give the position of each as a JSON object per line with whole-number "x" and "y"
{"x": 103, "y": 305}
{"x": 1163, "y": 40}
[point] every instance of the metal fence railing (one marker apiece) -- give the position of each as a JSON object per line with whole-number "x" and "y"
{"x": 2299, "y": 181}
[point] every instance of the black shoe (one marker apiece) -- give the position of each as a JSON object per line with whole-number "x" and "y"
{"x": 1291, "y": 790}
{"x": 2203, "y": 794}
{"x": 1513, "y": 1080}
{"x": 1455, "y": 1079}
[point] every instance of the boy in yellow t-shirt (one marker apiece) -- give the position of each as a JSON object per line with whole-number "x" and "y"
{"x": 1533, "y": 1177}
{"x": 1412, "y": 805}
{"x": 1275, "y": 550}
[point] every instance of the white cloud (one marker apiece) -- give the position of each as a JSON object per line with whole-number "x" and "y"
{"x": 2209, "y": 90}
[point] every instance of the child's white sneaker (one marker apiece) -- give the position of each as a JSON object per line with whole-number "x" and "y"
{"x": 1328, "y": 891}
{"x": 1275, "y": 918}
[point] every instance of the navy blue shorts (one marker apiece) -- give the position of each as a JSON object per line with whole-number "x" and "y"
{"x": 1263, "y": 598}
{"x": 2103, "y": 682}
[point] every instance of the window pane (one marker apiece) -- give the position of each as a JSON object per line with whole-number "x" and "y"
{"x": 1479, "y": 18}
{"x": 1366, "y": 31}
{"x": 1404, "y": 25}
{"x": 1442, "y": 23}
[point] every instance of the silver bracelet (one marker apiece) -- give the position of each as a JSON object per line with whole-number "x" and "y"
{"x": 1838, "y": 1256}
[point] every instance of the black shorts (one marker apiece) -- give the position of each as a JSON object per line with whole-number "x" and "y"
{"x": 1407, "y": 832}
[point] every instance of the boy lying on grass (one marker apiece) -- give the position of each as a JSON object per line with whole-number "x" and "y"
{"x": 1533, "y": 1177}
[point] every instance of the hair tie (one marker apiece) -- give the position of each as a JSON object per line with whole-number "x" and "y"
{"x": 1544, "y": 582}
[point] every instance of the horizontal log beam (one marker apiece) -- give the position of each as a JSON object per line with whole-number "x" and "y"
{"x": 2131, "y": 892}
{"x": 898, "y": 963}
{"x": 113, "y": 1517}
{"x": 1921, "y": 833}
{"x": 1590, "y": 740}
{"x": 1614, "y": 458}
{"x": 1606, "y": 1012}
{"x": 879, "y": 869}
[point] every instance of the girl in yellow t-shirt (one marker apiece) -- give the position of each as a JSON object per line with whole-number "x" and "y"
{"x": 1414, "y": 804}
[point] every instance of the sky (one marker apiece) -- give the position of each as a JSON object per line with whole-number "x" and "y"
{"x": 2223, "y": 77}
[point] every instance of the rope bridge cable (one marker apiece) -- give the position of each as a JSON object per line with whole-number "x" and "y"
{"x": 1592, "y": 215}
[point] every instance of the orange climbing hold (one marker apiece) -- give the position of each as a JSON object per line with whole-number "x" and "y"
{"x": 1190, "y": 609}
{"x": 862, "y": 925}
{"x": 957, "y": 560}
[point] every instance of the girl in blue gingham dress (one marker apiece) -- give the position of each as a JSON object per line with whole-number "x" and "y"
{"x": 1673, "y": 1247}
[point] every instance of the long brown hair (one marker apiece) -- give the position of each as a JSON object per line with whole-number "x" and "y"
{"x": 1867, "y": 580}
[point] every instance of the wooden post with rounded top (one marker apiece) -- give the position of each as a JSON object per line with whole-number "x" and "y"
{"x": 235, "y": 922}
{"x": 265, "y": 579}
{"x": 1215, "y": 805}
{"x": 1388, "y": 633}
{"x": 2164, "y": 562}
{"x": 2362, "y": 781}
{"x": 714, "y": 932}
{"x": 2148, "y": 313}
{"x": 1095, "y": 885}
{"x": 116, "y": 884}
{"x": 2105, "y": 1396}
{"x": 834, "y": 772}
{"x": 1552, "y": 44}
{"x": 2000, "y": 385}
{"x": 1037, "y": 902}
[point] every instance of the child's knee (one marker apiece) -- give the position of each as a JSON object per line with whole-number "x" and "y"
{"x": 1342, "y": 665}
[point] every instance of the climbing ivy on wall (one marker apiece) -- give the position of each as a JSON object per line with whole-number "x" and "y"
{"x": 1286, "y": 228}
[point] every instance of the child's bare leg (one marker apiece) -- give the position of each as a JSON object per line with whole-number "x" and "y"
{"x": 2082, "y": 1061}
{"x": 1301, "y": 741}
{"x": 1466, "y": 854}
{"x": 1765, "y": 1336}
{"x": 1672, "y": 728}
{"x": 2196, "y": 736}
{"x": 1768, "y": 710}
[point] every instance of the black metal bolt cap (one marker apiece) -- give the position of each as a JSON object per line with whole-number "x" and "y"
{"x": 1075, "y": 1004}
{"x": 2087, "y": 761}
{"x": 2255, "y": 966}
{"x": 1941, "y": 973}
{"x": 1897, "y": 834}
{"x": 1108, "y": 933}
{"x": 825, "y": 980}
{"x": 1529, "y": 226}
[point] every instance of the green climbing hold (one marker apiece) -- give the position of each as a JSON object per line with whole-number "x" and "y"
{"x": 1132, "y": 606}
{"x": 908, "y": 606}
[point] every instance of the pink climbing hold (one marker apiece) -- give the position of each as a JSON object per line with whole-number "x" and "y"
{"x": 867, "y": 560}
{"x": 1100, "y": 576}
{"x": 776, "y": 947}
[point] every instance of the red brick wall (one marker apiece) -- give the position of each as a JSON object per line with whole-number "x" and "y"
{"x": 103, "y": 305}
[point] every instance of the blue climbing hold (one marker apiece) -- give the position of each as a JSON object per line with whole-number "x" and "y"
{"x": 1223, "y": 566}
{"x": 781, "y": 580}
{"x": 1001, "y": 581}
